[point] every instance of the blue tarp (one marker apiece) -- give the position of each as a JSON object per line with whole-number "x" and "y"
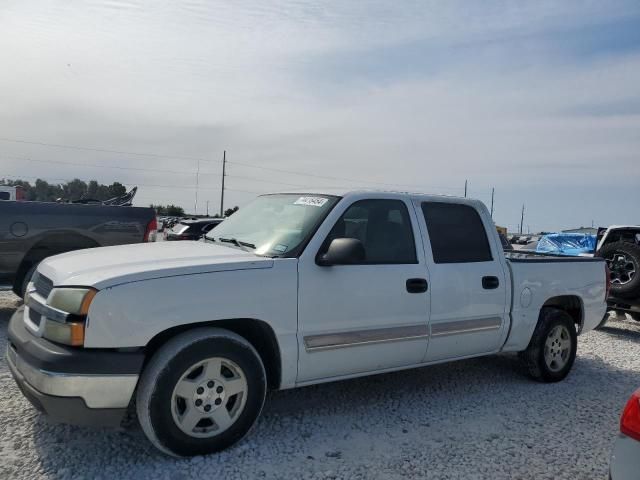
{"x": 572, "y": 244}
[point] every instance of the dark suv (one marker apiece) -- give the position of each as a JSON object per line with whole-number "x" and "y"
{"x": 191, "y": 229}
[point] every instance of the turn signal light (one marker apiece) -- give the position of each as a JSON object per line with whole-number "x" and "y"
{"x": 630, "y": 420}
{"x": 71, "y": 333}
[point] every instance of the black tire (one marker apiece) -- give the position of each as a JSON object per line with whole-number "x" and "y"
{"x": 534, "y": 356}
{"x": 27, "y": 278}
{"x": 631, "y": 252}
{"x": 155, "y": 400}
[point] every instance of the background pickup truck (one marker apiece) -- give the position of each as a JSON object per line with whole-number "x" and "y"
{"x": 292, "y": 290}
{"x": 33, "y": 231}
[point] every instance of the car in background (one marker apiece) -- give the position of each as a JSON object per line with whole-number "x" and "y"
{"x": 192, "y": 229}
{"x": 524, "y": 240}
{"x": 625, "y": 459}
{"x": 33, "y": 231}
{"x": 506, "y": 244}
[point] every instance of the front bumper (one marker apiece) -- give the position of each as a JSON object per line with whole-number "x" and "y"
{"x": 72, "y": 385}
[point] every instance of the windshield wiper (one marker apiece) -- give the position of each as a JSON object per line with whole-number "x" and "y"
{"x": 237, "y": 242}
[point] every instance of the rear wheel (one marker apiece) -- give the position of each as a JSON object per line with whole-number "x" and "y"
{"x": 201, "y": 392}
{"x": 552, "y": 349}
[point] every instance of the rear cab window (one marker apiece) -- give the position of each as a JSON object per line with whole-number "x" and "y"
{"x": 456, "y": 233}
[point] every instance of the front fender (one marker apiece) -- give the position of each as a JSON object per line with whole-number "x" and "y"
{"x": 131, "y": 314}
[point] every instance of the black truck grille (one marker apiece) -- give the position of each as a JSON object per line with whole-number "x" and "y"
{"x": 43, "y": 285}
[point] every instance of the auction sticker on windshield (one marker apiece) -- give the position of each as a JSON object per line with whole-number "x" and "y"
{"x": 311, "y": 201}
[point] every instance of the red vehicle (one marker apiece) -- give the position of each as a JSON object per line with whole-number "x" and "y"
{"x": 625, "y": 459}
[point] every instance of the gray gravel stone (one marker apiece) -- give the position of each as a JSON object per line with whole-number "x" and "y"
{"x": 476, "y": 419}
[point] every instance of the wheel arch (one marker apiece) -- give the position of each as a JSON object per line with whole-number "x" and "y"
{"x": 257, "y": 332}
{"x": 571, "y": 304}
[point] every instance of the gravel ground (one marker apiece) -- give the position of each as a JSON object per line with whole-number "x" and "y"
{"x": 474, "y": 419}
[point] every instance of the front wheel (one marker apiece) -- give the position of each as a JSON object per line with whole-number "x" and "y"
{"x": 201, "y": 392}
{"x": 552, "y": 349}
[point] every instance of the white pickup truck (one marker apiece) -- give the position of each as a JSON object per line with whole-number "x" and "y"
{"x": 292, "y": 290}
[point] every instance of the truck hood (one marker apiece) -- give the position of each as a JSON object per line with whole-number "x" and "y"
{"x": 108, "y": 266}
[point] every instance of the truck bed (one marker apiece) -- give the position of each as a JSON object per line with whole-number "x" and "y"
{"x": 537, "y": 279}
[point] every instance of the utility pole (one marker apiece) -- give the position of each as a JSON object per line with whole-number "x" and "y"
{"x": 195, "y": 207}
{"x": 493, "y": 190}
{"x": 465, "y": 189}
{"x": 207, "y": 208}
{"x": 224, "y": 166}
{"x": 522, "y": 219}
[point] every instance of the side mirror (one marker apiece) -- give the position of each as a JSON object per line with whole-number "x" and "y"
{"x": 342, "y": 251}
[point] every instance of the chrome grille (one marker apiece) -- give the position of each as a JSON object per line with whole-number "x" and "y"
{"x": 43, "y": 285}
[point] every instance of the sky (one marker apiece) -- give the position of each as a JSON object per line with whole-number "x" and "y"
{"x": 539, "y": 100}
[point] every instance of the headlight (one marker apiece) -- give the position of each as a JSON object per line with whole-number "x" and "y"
{"x": 75, "y": 301}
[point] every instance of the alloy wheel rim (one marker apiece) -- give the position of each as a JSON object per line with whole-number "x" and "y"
{"x": 622, "y": 268}
{"x": 209, "y": 397}
{"x": 557, "y": 348}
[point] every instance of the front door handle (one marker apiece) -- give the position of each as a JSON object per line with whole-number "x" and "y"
{"x": 417, "y": 285}
{"x": 490, "y": 283}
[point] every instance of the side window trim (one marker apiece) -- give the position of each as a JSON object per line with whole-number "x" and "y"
{"x": 416, "y": 257}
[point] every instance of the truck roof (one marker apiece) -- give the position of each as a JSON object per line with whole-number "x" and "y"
{"x": 345, "y": 193}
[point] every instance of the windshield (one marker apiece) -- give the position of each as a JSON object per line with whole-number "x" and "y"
{"x": 274, "y": 225}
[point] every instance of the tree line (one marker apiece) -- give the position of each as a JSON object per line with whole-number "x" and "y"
{"x": 176, "y": 211}
{"x": 76, "y": 189}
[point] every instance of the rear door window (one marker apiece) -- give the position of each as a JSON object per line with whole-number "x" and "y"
{"x": 456, "y": 233}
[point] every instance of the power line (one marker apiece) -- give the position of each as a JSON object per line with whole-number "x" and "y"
{"x": 292, "y": 172}
{"x": 60, "y": 162}
{"x": 189, "y": 187}
{"x": 155, "y": 155}
{"x": 103, "y": 150}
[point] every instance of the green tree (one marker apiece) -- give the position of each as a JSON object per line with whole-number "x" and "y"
{"x": 230, "y": 211}
{"x": 116, "y": 189}
{"x": 168, "y": 210}
{"x": 92, "y": 189}
{"x": 42, "y": 191}
{"x": 74, "y": 190}
{"x": 175, "y": 211}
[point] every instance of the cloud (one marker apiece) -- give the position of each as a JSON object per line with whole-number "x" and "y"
{"x": 536, "y": 99}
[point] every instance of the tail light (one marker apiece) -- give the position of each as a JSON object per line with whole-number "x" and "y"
{"x": 630, "y": 420}
{"x": 607, "y": 273}
{"x": 152, "y": 226}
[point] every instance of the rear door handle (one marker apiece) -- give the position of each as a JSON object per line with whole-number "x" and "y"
{"x": 417, "y": 285}
{"x": 490, "y": 283}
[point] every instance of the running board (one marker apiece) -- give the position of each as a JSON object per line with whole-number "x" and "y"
{"x": 5, "y": 288}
